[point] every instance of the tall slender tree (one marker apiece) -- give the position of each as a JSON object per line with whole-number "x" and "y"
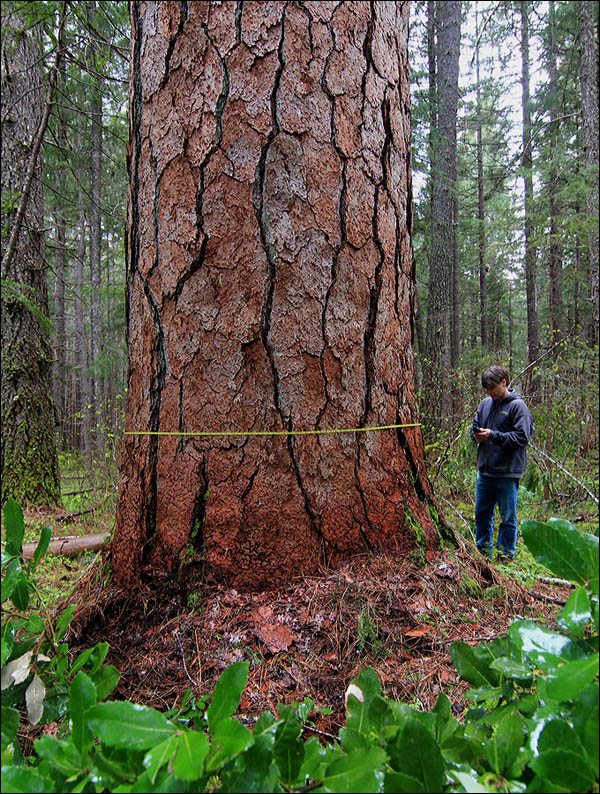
{"x": 437, "y": 365}
{"x": 555, "y": 286}
{"x": 588, "y": 35}
{"x": 533, "y": 330}
{"x": 29, "y": 455}
{"x": 483, "y": 286}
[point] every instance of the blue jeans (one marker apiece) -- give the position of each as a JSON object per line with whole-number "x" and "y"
{"x": 492, "y": 491}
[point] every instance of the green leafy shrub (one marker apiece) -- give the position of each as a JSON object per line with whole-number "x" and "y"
{"x": 533, "y": 724}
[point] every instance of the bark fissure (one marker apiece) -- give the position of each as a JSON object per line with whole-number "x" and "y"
{"x": 238, "y": 21}
{"x": 183, "y": 15}
{"x": 416, "y": 477}
{"x": 342, "y": 227}
{"x": 160, "y": 359}
{"x": 196, "y": 537}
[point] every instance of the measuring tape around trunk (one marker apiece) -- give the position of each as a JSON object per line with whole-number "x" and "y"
{"x": 232, "y": 433}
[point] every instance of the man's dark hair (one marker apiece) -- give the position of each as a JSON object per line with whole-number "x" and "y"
{"x": 494, "y": 375}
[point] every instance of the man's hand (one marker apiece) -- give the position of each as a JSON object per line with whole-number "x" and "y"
{"x": 482, "y": 435}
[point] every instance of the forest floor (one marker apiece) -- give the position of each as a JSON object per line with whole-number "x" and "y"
{"x": 312, "y": 637}
{"x": 309, "y": 639}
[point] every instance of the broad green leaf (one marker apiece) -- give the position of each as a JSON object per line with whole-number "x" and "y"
{"x": 287, "y": 749}
{"x": 502, "y": 749}
{"x": 416, "y": 753}
{"x": 10, "y": 579}
{"x": 473, "y": 664}
{"x": 35, "y": 624}
{"x": 109, "y": 765}
{"x": 228, "y": 692}
{"x": 8, "y": 641}
{"x": 265, "y": 729}
{"x": 588, "y": 547}
{"x": 60, "y": 754}
{"x": 559, "y": 546}
{"x": 34, "y": 698}
{"x": 158, "y": 756}
{"x": 229, "y": 738}
{"x": 569, "y": 680}
{"x": 576, "y": 613}
{"x": 63, "y": 622}
{"x": 586, "y": 723}
{"x": 129, "y": 725}
{"x": 105, "y": 680}
{"x": 360, "y": 695}
{"x": 401, "y": 783}
{"x": 361, "y": 770}
{"x": 254, "y": 772}
{"x": 97, "y": 656}
{"x": 512, "y": 669}
{"x": 10, "y": 725}
{"x": 557, "y": 733}
{"x": 469, "y": 780}
{"x": 41, "y": 548}
{"x": 191, "y": 749}
{"x": 445, "y": 724}
{"x": 24, "y": 779}
{"x": 483, "y": 693}
{"x": 564, "y": 768}
{"x": 82, "y": 696}
{"x": 93, "y": 656}
{"x": 540, "y": 646}
{"x": 14, "y": 526}
{"x": 81, "y": 660}
{"x": 314, "y": 758}
{"x": 20, "y": 593}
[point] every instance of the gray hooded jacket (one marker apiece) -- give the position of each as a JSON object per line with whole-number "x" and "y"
{"x": 504, "y": 454}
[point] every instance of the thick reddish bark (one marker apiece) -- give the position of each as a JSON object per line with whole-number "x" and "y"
{"x": 270, "y": 288}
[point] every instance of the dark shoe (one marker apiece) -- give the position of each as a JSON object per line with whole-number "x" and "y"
{"x": 505, "y": 558}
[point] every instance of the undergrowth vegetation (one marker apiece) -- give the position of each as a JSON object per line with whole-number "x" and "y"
{"x": 532, "y": 724}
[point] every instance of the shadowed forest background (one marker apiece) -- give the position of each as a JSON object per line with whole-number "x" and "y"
{"x": 500, "y": 245}
{"x": 506, "y": 263}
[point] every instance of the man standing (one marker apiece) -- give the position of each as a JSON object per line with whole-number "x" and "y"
{"x": 502, "y": 428}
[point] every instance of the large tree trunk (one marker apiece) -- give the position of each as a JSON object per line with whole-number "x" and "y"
{"x": 437, "y": 365}
{"x": 29, "y": 457}
{"x": 270, "y": 289}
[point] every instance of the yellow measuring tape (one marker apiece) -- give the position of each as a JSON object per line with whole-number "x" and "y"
{"x": 227, "y": 433}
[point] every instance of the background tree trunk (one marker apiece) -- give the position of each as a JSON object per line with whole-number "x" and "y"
{"x": 533, "y": 331}
{"x": 29, "y": 457}
{"x": 96, "y": 387}
{"x": 60, "y": 280}
{"x": 270, "y": 289}
{"x": 481, "y": 244}
{"x": 555, "y": 287}
{"x": 588, "y": 71}
{"x": 437, "y": 369}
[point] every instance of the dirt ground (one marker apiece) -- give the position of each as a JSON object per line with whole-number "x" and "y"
{"x": 313, "y": 636}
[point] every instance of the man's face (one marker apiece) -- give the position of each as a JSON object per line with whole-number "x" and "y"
{"x": 499, "y": 391}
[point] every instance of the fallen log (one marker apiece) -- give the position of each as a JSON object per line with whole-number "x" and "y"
{"x": 69, "y": 547}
